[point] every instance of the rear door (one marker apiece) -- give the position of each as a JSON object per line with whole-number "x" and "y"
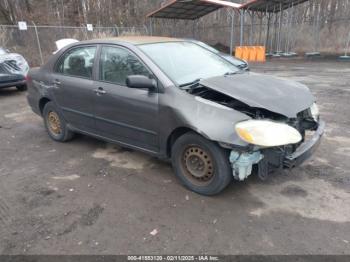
{"x": 125, "y": 114}
{"x": 73, "y": 86}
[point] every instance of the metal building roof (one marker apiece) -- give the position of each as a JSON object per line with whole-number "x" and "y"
{"x": 190, "y": 9}
{"x": 270, "y": 6}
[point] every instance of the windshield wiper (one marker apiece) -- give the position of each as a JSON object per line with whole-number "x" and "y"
{"x": 189, "y": 84}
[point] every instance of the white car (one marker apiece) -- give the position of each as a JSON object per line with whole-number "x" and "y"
{"x": 13, "y": 70}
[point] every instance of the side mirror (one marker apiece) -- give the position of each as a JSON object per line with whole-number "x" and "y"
{"x": 141, "y": 81}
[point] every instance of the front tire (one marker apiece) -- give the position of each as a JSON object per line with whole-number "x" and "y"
{"x": 200, "y": 164}
{"x": 55, "y": 124}
{"x": 21, "y": 88}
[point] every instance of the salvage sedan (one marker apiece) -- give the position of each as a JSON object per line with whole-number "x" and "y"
{"x": 13, "y": 70}
{"x": 177, "y": 100}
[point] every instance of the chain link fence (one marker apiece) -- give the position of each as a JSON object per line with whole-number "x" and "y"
{"x": 37, "y": 43}
{"x": 300, "y": 37}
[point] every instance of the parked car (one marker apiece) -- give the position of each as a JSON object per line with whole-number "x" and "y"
{"x": 240, "y": 63}
{"x": 13, "y": 70}
{"x": 176, "y": 100}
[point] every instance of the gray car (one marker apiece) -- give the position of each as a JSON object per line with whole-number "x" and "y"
{"x": 176, "y": 100}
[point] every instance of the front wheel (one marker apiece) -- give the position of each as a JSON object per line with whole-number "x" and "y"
{"x": 21, "y": 88}
{"x": 200, "y": 164}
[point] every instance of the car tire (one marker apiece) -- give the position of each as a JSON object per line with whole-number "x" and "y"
{"x": 21, "y": 88}
{"x": 55, "y": 124}
{"x": 200, "y": 164}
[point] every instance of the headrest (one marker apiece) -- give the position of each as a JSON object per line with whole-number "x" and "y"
{"x": 76, "y": 61}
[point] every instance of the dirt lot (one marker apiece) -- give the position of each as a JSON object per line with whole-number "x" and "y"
{"x": 89, "y": 197}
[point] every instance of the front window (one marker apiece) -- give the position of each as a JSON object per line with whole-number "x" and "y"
{"x": 116, "y": 64}
{"x": 185, "y": 62}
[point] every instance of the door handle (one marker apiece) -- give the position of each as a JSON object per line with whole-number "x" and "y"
{"x": 100, "y": 91}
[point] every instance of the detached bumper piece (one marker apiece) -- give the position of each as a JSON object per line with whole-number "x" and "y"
{"x": 305, "y": 150}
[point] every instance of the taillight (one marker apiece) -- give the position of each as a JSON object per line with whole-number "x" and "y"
{"x": 28, "y": 78}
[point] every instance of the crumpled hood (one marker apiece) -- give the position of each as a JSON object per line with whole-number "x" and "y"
{"x": 277, "y": 95}
{"x": 14, "y": 64}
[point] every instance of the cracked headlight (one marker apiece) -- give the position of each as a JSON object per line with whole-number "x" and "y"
{"x": 315, "y": 112}
{"x": 267, "y": 133}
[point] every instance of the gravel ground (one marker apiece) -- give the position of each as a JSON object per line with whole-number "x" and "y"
{"x": 89, "y": 197}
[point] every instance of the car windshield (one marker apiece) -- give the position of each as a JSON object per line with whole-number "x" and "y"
{"x": 186, "y": 62}
{"x": 212, "y": 49}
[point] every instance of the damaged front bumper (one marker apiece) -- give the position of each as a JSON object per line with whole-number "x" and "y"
{"x": 270, "y": 159}
{"x": 306, "y": 149}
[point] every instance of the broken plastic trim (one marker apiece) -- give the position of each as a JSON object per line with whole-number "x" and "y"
{"x": 242, "y": 163}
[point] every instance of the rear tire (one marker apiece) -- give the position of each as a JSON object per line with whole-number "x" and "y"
{"x": 201, "y": 165}
{"x": 55, "y": 124}
{"x": 21, "y": 88}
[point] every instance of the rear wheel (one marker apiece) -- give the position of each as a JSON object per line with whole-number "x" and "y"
{"x": 21, "y": 88}
{"x": 55, "y": 125}
{"x": 200, "y": 164}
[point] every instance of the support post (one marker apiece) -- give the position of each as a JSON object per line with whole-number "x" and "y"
{"x": 260, "y": 29}
{"x": 274, "y": 39}
{"x": 268, "y": 33}
{"x": 38, "y": 42}
{"x": 232, "y": 15}
{"x": 146, "y": 29}
{"x": 279, "y": 30}
{"x": 117, "y": 29}
{"x": 290, "y": 26}
{"x": 150, "y": 26}
{"x": 194, "y": 29}
{"x": 318, "y": 28}
{"x": 251, "y": 28}
{"x": 242, "y": 27}
{"x": 347, "y": 45}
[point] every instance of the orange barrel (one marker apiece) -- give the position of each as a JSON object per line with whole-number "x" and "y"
{"x": 239, "y": 52}
{"x": 252, "y": 53}
{"x": 261, "y": 54}
{"x": 245, "y": 53}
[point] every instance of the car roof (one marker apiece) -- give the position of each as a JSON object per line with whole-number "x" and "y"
{"x": 138, "y": 40}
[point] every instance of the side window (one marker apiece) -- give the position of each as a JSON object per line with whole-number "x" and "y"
{"x": 78, "y": 62}
{"x": 116, "y": 64}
